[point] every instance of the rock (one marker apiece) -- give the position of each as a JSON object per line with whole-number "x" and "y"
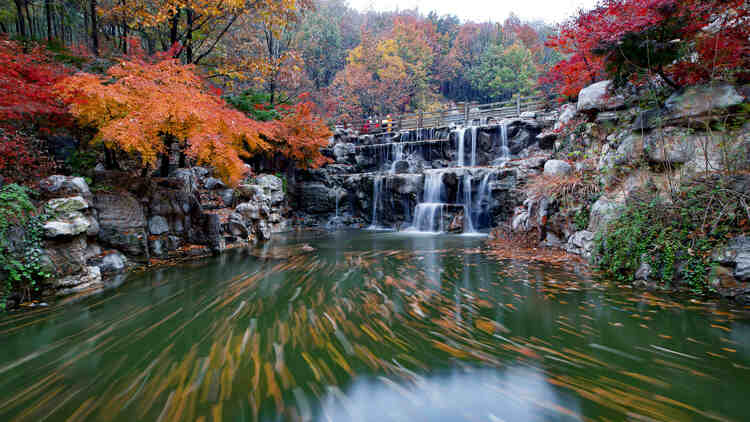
{"x": 736, "y": 254}
{"x": 344, "y": 152}
{"x": 213, "y": 183}
{"x": 227, "y": 197}
{"x": 65, "y": 205}
{"x": 123, "y": 223}
{"x": 112, "y": 262}
{"x": 307, "y": 248}
{"x": 68, "y": 224}
{"x": 63, "y": 186}
{"x": 90, "y": 277}
{"x": 158, "y": 225}
{"x": 581, "y": 243}
{"x": 701, "y": 100}
{"x": 669, "y": 145}
{"x": 597, "y": 97}
{"x": 629, "y": 150}
{"x": 270, "y": 183}
{"x": 250, "y": 192}
{"x": 644, "y": 271}
{"x": 315, "y": 198}
{"x": 401, "y": 167}
{"x": 250, "y": 210}
{"x": 188, "y": 179}
{"x": 157, "y": 247}
{"x": 567, "y": 113}
{"x": 603, "y": 211}
{"x": 94, "y": 228}
{"x": 557, "y": 168}
{"x": 528, "y": 115}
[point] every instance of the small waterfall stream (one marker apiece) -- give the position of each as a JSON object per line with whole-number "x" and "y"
{"x": 377, "y": 188}
{"x": 473, "y": 146}
{"x": 460, "y": 140}
{"x": 504, "y": 150}
{"x": 431, "y": 207}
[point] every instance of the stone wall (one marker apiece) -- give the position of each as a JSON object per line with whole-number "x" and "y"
{"x": 93, "y": 237}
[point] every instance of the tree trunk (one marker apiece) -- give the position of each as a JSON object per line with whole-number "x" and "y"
{"x": 94, "y": 28}
{"x": 28, "y": 19}
{"x": 173, "y": 30}
{"x": 48, "y": 12}
{"x": 189, "y": 36}
{"x": 19, "y": 18}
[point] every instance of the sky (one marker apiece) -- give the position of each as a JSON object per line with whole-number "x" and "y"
{"x": 550, "y": 11}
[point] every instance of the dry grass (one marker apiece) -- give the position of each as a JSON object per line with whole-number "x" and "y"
{"x": 572, "y": 188}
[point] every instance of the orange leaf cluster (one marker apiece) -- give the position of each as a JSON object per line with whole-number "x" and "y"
{"x": 139, "y": 106}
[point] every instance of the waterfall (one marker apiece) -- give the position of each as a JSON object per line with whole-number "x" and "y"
{"x": 504, "y": 150}
{"x": 460, "y": 139}
{"x": 337, "y": 192}
{"x": 468, "y": 217}
{"x": 377, "y": 187}
{"x": 473, "y": 146}
{"x": 398, "y": 155}
{"x": 482, "y": 194}
{"x": 431, "y": 206}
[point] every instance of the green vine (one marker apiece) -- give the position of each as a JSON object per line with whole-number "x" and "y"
{"x": 21, "y": 234}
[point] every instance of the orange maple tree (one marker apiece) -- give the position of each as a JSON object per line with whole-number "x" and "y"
{"x": 301, "y": 133}
{"x": 142, "y": 107}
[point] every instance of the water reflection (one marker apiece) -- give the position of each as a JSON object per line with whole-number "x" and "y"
{"x": 516, "y": 394}
{"x": 363, "y": 325}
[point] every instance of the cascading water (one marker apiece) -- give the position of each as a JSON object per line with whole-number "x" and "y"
{"x": 398, "y": 155}
{"x": 377, "y": 187}
{"x": 482, "y": 196}
{"x": 473, "y": 146}
{"x": 431, "y": 207}
{"x": 504, "y": 150}
{"x": 468, "y": 215}
{"x": 460, "y": 139}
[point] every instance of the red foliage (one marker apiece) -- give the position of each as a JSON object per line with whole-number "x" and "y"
{"x": 22, "y": 158}
{"x": 26, "y": 81}
{"x": 716, "y": 31}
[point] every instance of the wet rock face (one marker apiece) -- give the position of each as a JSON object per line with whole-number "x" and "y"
{"x": 122, "y": 223}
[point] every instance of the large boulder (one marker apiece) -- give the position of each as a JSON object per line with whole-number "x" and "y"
{"x": 158, "y": 225}
{"x": 567, "y": 113}
{"x": 603, "y": 211}
{"x": 66, "y": 205}
{"x": 670, "y": 145}
{"x": 122, "y": 223}
{"x": 581, "y": 243}
{"x": 213, "y": 183}
{"x": 700, "y": 100}
{"x": 64, "y": 186}
{"x": 187, "y": 178}
{"x": 66, "y": 225}
{"x": 557, "y": 168}
{"x": 736, "y": 255}
{"x": 599, "y": 97}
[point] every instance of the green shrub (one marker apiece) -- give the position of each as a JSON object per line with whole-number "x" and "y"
{"x": 21, "y": 233}
{"x": 677, "y": 236}
{"x": 257, "y": 105}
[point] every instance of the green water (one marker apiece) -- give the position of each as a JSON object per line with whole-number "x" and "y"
{"x": 374, "y": 327}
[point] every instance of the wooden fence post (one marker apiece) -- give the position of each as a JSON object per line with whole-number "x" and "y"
{"x": 518, "y": 105}
{"x": 442, "y": 117}
{"x": 466, "y": 113}
{"x": 421, "y": 119}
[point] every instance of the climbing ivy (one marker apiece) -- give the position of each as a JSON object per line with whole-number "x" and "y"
{"x": 675, "y": 236}
{"x": 21, "y": 233}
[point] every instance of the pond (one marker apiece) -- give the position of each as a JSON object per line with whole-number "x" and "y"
{"x": 374, "y": 327}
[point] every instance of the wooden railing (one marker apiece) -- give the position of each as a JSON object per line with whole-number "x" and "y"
{"x": 462, "y": 114}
